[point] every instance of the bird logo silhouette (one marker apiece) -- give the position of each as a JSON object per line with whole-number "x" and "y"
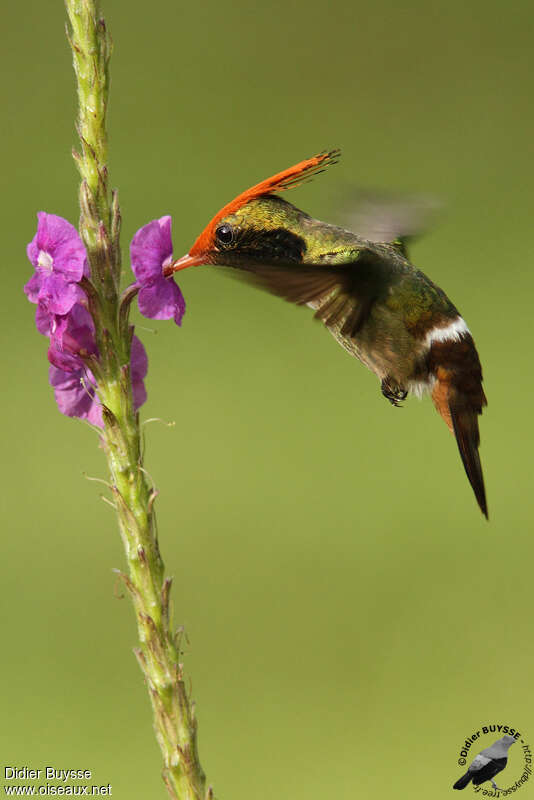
{"x": 487, "y": 764}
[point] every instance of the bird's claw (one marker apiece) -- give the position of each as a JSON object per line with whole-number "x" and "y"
{"x": 395, "y": 394}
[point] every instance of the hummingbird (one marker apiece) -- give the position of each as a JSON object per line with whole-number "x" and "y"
{"x": 376, "y": 304}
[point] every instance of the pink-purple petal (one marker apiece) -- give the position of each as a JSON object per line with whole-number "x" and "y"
{"x": 60, "y": 240}
{"x": 94, "y": 415}
{"x": 33, "y": 287}
{"x": 57, "y": 296}
{"x": 44, "y": 321}
{"x": 179, "y": 306}
{"x": 150, "y": 247}
{"x": 64, "y": 361}
{"x": 60, "y": 380}
{"x": 139, "y": 394}
{"x": 138, "y": 359}
{"x": 162, "y": 300}
{"x": 138, "y": 370}
{"x": 73, "y": 402}
{"x": 70, "y": 260}
{"x": 74, "y": 397}
{"x": 32, "y": 251}
{"x": 74, "y": 332}
{"x": 54, "y": 231}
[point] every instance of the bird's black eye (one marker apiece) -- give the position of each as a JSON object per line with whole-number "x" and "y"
{"x": 224, "y": 234}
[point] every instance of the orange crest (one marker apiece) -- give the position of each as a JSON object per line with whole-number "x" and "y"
{"x": 287, "y": 179}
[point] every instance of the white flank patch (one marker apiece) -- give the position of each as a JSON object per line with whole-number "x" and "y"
{"x": 450, "y": 333}
{"x": 419, "y": 388}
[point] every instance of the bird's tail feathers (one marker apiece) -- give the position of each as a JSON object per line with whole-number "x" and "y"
{"x": 459, "y": 398}
{"x": 465, "y": 424}
{"x": 462, "y": 782}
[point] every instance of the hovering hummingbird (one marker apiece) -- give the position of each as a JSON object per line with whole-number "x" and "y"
{"x": 376, "y": 304}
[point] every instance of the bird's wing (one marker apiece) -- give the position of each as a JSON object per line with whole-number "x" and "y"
{"x": 396, "y": 219}
{"x": 489, "y": 770}
{"x": 341, "y": 295}
{"x": 478, "y": 762}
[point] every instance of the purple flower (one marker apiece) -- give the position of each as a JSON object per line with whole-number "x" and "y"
{"x": 44, "y": 321}
{"x": 74, "y": 383}
{"x": 75, "y": 388}
{"x": 60, "y": 262}
{"x": 75, "y": 393}
{"x": 58, "y": 255}
{"x": 150, "y": 251}
{"x": 70, "y": 336}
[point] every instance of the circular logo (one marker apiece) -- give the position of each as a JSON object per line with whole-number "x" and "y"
{"x": 496, "y": 759}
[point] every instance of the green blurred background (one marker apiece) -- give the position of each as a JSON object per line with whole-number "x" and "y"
{"x": 351, "y": 615}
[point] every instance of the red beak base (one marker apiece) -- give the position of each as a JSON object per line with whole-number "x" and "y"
{"x": 182, "y": 263}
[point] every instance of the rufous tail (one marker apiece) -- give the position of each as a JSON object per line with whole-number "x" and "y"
{"x": 459, "y": 398}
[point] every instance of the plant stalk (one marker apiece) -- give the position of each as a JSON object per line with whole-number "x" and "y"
{"x": 159, "y": 648}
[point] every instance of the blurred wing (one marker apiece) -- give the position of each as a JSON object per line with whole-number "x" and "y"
{"x": 396, "y": 220}
{"x": 341, "y": 296}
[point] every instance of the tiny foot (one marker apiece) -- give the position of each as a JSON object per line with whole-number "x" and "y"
{"x": 395, "y": 394}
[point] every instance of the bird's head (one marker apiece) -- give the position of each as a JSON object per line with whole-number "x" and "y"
{"x": 257, "y": 226}
{"x": 508, "y": 740}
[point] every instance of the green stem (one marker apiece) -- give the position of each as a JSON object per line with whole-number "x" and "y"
{"x": 159, "y": 649}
